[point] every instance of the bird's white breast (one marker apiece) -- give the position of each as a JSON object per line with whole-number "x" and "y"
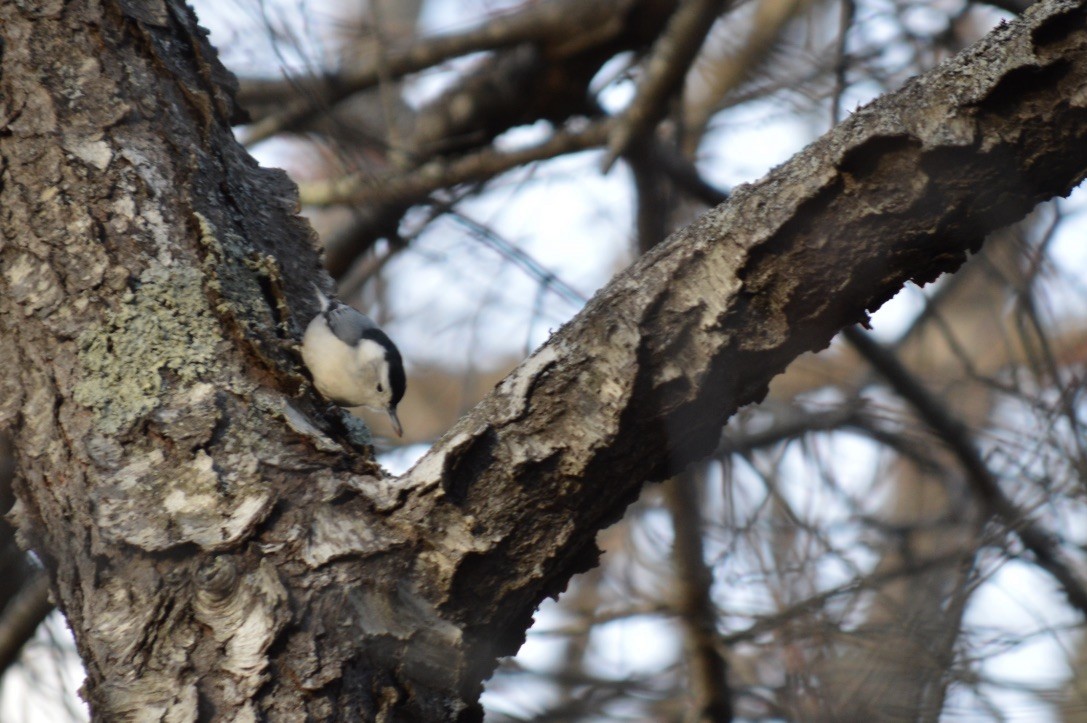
{"x": 347, "y": 375}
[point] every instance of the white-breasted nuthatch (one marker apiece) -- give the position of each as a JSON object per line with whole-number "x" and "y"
{"x": 353, "y": 362}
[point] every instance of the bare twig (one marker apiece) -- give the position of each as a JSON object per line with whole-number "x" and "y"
{"x": 665, "y": 70}
{"x": 814, "y": 603}
{"x": 697, "y": 612}
{"x": 685, "y": 175}
{"x": 543, "y": 22}
{"x": 726, "y": 73}
{"x": 21, "y": 617}
{"x": 415, "y": 185}
{"x": 841, "y": 61}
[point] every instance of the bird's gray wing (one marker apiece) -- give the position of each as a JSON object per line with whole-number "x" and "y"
{"x": 346, "y": 323}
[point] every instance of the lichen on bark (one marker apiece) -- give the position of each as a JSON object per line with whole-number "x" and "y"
{"x": 162, "y": 330}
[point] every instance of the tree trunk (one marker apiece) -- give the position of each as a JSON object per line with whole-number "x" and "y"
{"x": 223, "y": 550}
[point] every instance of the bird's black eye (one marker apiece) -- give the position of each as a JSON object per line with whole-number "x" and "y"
{"x": 380, "y": 388}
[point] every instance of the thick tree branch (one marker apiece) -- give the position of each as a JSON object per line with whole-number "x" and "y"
{"x": 638, "y": 385}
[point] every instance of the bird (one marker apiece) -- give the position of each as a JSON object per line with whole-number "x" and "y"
{"x": 353, "y": 362}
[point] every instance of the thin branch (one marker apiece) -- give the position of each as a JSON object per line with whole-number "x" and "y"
{"x": 796, "y": 422}
{"x": 721, "y": 76}
{"x": 697, "y": 613}
{"x": 543, "y": 276}
{"x": 685, "y": 175}
{"x": 655, "y": 202}
{"x": 545, "y": 22}
{"x": 818, "y": 601}
{"x": 665, "y": 70}
{"x": 637, "y": 385}
{"x": 841, "y": 60}
{"x": 21, "y": 617}
{"x": 414, "y": 185}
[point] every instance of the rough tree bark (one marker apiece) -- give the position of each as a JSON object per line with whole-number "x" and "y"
{"x": 221, "y": 549}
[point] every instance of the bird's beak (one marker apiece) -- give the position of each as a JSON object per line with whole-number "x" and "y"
{"x": 396, "y": 421}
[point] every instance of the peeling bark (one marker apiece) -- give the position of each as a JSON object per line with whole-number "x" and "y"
{"x": 223, "y": 551}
